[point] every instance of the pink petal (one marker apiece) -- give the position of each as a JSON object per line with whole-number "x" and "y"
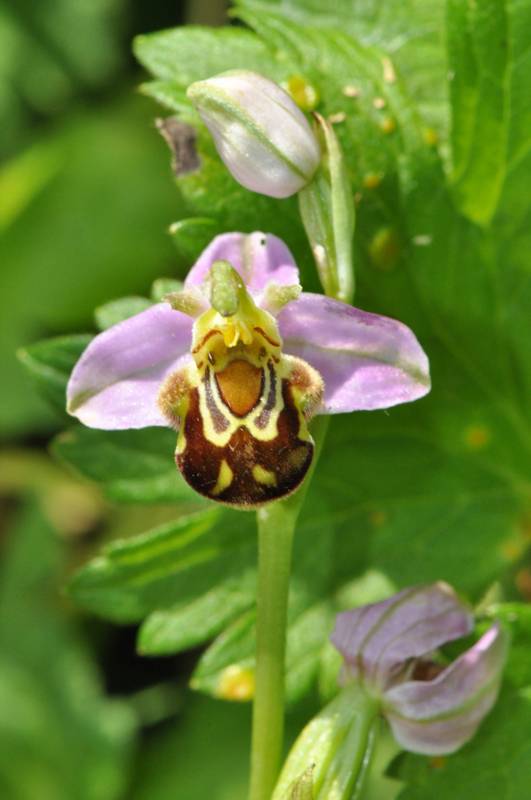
{"x": 440, "y": 715}
{"x": 377, "y": 639}
{"x": 367, "y": 361}
{"x": 115, "y": 383}
{"x": 260, "y": 258}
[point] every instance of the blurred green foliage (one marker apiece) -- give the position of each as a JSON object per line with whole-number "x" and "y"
{"x": 433, "y": 118}
{"x": 59, "y": 737}
{"x": 85, "y": 189}
{"x": 92, "y": 230}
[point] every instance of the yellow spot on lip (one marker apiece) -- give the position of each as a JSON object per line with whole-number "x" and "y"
{"x": 236, "y": 683}
{"x": 224, "y": 480}
{"x": 264, "y": 476}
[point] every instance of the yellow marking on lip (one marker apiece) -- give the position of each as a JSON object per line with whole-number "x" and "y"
{"x": 296, "y": 458}
{"x": 264, "y": 476}
{"x": 224, "y": 480}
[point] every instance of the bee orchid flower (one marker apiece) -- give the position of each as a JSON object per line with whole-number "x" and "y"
{"x": 391, "y": 670}
{"x": 432, "y": 708}
{"x": 238, "y": 363}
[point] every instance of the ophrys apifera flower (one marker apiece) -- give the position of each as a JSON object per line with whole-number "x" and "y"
{"x": 239, "y": 362}
{"x": 432, "y": 707}
{"x": 392, "y": 670}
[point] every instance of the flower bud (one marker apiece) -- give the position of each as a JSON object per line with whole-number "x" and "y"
{"x": 330, "y": 756}
{"x": 263, "y": 138}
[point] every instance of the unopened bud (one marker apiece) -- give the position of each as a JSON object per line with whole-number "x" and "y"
{"x": 262, "y": 136}
{"x": 333, "y": 751}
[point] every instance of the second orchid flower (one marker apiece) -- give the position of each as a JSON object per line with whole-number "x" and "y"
{"x": 391, "y": 668}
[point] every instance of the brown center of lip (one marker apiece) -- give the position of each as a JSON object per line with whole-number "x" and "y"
{"x": 240, "y": 385}
{"x": 426, "y": 670}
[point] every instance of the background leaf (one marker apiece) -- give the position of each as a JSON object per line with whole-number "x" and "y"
{"x": 58, "y": 737}
{"x": 118, "y": 310}
{"x": 50, "y": 363}
{"x": 134, "y": 466}
{"x": 489, "y": 59}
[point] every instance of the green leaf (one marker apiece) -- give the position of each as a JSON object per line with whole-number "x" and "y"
{"x": 185, "y": 55}
{"x": 92, "y": 232}
{"x": 163, "y": 286}
{"x": 117, "y": 310}
{"x": 409, "y": 32}
{"x": 232, "y": 651}
{"x": 50, "y": 54}
{"x": 57, "y": 731}
{"x": 167, "y": 568}
{"x": 50, "y": 363}
{"x": 191, "y": 236}
{"x": 135, "y": 466}
{"x": 495, "y": 764}
{"x": 488, "y": 54}
{"x": 175, "y": 758}
{"x": 208, "y": 733}
{"x": 517, "y": 618}
{"x": 172, "y": 629}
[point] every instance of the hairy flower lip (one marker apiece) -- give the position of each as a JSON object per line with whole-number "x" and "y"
{"x": 367, "y": 361}
{"x": 431, "y": 716}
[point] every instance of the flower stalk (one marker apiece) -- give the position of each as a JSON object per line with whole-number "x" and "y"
{"x": 276, "y": 528}
{"x": 327, "y": 211}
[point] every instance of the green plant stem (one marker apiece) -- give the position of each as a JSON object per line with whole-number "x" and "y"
{"x": 276, "y": 527}
{"x": 275, "y": 538}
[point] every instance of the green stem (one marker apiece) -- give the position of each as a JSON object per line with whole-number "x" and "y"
{"x": 276, "y": 527}
{"x": 275, "y": 537}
